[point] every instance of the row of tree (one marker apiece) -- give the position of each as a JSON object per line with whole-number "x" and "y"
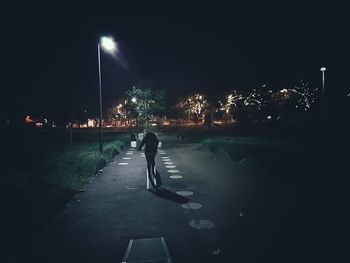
{"x": 143, "y": 103}
{"x": 253, "y": 105}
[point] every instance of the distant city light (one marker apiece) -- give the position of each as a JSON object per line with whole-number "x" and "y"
{"x": 28, "y": 120}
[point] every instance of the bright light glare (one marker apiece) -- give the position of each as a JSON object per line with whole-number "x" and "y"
{"x": 323, "y": 69}
{"x": 108, "y": 44}
{"x": 133, "y": 99}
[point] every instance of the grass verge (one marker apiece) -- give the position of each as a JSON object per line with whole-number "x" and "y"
{"x": 43, "y": 177}
{"x": 274, "y": 154}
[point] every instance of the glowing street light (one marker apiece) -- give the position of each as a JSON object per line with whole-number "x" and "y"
{"x": 107, "y": 44}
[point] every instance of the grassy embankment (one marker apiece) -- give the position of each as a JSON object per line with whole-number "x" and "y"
{"x": 67, "y": 167}
{"x": 42, "y": 171}
{"x": 282, "y": 151}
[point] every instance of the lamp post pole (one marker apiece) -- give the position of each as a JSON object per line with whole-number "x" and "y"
{"x": 145, "y": 111}
{"x": 323, "y": 97}
{"x": 109, "y": 46}
{"x": 323, "y": 69}
{"x": 100, "y": 86}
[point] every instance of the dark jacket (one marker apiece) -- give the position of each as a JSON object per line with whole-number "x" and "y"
{"x": 151, "y": 141}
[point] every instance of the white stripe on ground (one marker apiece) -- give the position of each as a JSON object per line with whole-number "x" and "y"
{"x": 201, "y": 224}
{"x": 130, "y": 188}
{"x": 168, "y": 163}
{"x": 122, "y": 163}
{"x": 170, "y": 166}
{"x": 184, "y": 193}
{"x": 175, "y": 176}
{"x": 126, "y": 158}
{"x": 193, "y": 206}
{"x": 173, "y": 171}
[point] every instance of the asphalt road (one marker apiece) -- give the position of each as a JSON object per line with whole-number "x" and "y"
{"x": 235, "y": 212}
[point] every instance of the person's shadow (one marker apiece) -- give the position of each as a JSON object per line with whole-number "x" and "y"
{"x": 165, "y": 193}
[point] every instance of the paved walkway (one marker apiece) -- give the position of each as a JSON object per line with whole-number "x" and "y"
{"x": 210, "y": 210}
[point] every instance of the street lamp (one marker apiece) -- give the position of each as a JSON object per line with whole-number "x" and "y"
{"x": 144, "y": 93}
{"x": 323, "y": 69}
{"x": 108, "y": 45}
{"x": 323, "y": 98}
{"x": 134, "y": 100}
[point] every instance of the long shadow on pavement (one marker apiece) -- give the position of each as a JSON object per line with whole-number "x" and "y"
{"x": 165, "y": 193}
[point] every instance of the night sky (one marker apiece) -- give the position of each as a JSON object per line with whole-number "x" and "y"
{"x": 49, "y": 51}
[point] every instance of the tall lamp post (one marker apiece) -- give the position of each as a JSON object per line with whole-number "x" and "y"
{"x": 323, "y": 98}
{"x": 323, "y": 69}
{"x": 145, "y": 128}
{"x": 108, "y": 45}
{"x": 134, "y": 100}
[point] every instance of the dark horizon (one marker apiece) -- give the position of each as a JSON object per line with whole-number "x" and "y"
{"x": 51, "y": 64}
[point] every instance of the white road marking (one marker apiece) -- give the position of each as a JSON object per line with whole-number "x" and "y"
{"x": 126, "y": 158}
{"x": 131, "y": 188}
{"x": 129, "y": 153}
{"x": 184, "y": 193}
{"x": 175, "y": 176}
{"x": 164, "y": 157}
{"x": 201, "y": 224}
{"x": 173, "y": 171}
{"x": 168, "y": 163}
{"x": 122, "y": 163}
{"x": 170, "y": 166}
{"x": 193, "y": 206}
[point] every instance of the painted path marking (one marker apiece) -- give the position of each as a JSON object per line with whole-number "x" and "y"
{"x": 175, "y": 176}
{"x": 193, "y": 206}
{"x": 201, "y": 224}
{"x": 173, "y": 171}
{"x": 184, "y": 193}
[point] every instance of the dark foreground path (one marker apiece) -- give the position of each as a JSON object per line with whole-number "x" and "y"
{"x": 211, "y": 209}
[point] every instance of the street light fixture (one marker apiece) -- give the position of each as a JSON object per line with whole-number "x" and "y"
{"x": 108, "y": 45}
